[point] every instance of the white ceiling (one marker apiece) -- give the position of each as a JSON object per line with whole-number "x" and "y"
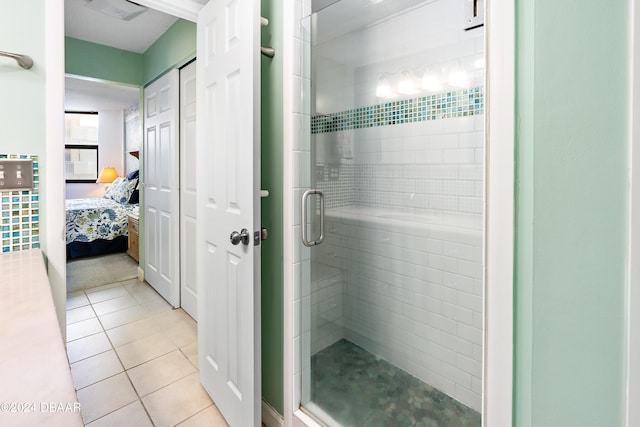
{"x": 92, "y": 95}
{"x": 136, "y": 35}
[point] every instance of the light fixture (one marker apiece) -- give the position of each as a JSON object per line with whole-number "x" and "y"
{"x": 107, "y": 175}
{"x": 458, "y": 78}
{"x": 431, "y": 82}
{"x": 120, "y": 9}
{"x": 383, "y": 90}
{"x": 405, "y": 85}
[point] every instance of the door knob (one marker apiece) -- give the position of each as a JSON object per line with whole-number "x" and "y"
{"x": 242, "y": 236}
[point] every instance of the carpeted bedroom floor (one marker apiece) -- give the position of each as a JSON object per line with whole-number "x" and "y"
{"x": 85, "y": 273}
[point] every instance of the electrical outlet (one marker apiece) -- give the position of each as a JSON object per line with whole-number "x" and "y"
{"x": 16, "y": 174}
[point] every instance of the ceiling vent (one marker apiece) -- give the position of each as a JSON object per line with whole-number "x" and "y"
{"x": 119, "y": 9}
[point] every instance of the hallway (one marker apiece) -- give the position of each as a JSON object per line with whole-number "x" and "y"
{"x": 134, "y": 360}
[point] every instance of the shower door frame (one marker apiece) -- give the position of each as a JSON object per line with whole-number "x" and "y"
{"x": 632, "y": 412}
{"x": 497, "y": 400}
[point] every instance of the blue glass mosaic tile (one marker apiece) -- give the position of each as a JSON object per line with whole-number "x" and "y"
{"x": 21, "y": 209}
{"x": 459, "y": 103}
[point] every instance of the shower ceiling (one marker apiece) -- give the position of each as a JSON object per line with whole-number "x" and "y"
{"x": 374, "y": 32}
{"x": 347, "y": 16}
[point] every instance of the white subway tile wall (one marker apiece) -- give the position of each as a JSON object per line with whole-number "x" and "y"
{"x": 409, "y": 291}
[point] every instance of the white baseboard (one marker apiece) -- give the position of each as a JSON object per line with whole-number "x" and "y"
{"x": 140, "y": 274}
{"x": 271, "y": 417}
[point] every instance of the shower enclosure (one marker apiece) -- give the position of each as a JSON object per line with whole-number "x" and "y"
{"x": 390, "y": 296}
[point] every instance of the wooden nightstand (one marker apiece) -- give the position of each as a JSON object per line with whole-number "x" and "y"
{"x": 134, "y": 237}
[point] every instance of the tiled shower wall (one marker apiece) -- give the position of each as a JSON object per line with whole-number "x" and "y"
{"x": 429, "y": 162}
{"x": 402, "y": 290}
{"x": 21, "y": 213}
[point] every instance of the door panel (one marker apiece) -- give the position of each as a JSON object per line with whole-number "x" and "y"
{"x": 188, "y": 190}
{"x": 161, "y": 187}
{"x": 228, "y": 200}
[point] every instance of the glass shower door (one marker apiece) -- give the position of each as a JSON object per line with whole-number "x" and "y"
{"x": 391, "y": 319}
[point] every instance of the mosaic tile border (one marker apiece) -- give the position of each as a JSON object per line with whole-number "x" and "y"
{"x": 20, "y": 213}
{"x": 459, "y": 103}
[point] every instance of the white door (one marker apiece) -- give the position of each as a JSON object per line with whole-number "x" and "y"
{"x": 228, "y": 171}
{"x": 188, "y": 187}
{"x": 161, "y": 191}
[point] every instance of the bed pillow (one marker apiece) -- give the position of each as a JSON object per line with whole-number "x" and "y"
{"x": 135, "y": 195}
{"x": 120, "y": 190}
{"x": 133, "y": 175}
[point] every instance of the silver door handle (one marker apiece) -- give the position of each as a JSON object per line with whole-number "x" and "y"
{"x": 242, "y": 236}
{"x": 320, "y": 239}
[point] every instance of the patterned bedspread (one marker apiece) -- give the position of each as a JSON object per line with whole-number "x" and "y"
{"x": 91, "y": 219}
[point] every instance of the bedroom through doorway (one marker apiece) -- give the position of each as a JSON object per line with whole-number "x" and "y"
{"x": 103, "y": 133}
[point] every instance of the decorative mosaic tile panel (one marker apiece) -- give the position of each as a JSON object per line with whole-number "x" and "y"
{"x": 20, "y": 228}
{"x": 459, "y": 103}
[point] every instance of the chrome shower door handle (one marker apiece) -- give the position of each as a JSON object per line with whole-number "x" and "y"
{"x": 320, "y": 239}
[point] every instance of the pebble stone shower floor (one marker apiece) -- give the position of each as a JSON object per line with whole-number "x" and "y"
{"x": 359, "y": 389}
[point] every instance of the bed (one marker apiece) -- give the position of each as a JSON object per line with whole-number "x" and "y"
{"x": 100, "y": 226}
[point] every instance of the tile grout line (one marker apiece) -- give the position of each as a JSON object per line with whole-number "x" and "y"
{"x": 126, "y": 370}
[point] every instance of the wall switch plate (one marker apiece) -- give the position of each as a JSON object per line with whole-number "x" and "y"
{"x": 16, "y": 174}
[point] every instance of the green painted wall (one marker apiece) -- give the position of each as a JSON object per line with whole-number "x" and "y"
{"x": 25, "y": 29}
{"x": 571, "y": 168}
{"x": 22, "y": 92}
{"x": 88, "y": 59}
{"x": 272, "y": 163}
{"x": 22, "y": 98}
{"x": 174, "y": 48}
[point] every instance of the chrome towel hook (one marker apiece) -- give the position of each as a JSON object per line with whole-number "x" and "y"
{"x": 269, "y": 52}
{"x": 24, "y": 61}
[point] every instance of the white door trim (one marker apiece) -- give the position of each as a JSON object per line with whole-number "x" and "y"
{"x": 185, "y": 9}
{"x": 499, "y": 214}
{"x": 188, "y": 189}
{"x": 54, "y": 190}
{"x": 632, "y": 412}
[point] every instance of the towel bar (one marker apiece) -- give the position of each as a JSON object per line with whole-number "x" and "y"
{"x": 24, "y": 61}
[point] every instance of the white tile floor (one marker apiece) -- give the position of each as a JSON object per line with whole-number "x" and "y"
{"x": 134, "y": 360}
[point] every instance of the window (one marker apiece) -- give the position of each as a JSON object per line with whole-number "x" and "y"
{"x": 81, "y": 147}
